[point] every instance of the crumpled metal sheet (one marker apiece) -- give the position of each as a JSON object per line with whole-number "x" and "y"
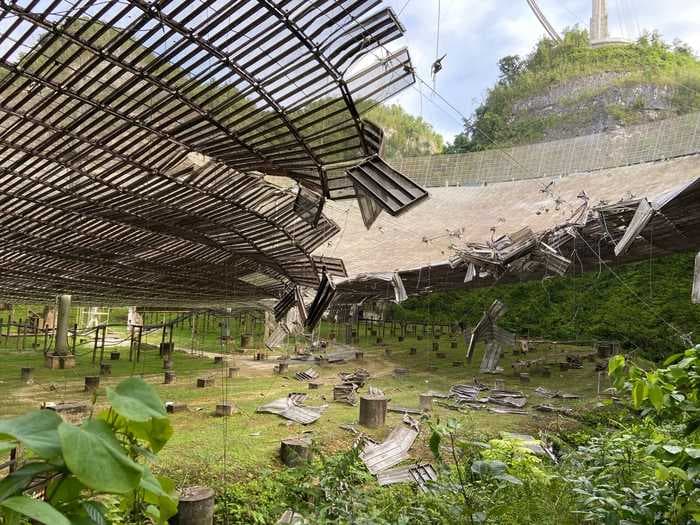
{"x": 393, "y": 450}
{"x": 306, "y": 375}
{"x": 291, "y": 408}
{"x": 421, "y": 474}
{"x": 277, "y": 337}
{"x": 289, "y": 517}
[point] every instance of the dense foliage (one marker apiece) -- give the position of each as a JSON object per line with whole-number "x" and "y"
{"x": 643, "y": 305}
{"x": 94, "y": 473}
{"x": 404, "y": 134}
{"x": 648, "y": 61}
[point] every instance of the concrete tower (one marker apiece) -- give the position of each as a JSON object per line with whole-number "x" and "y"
{"x": 599, "y": 22}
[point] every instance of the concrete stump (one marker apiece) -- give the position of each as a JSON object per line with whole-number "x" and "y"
{"x": 400, "y": 372}
{"x": 167, "y": 364}
{"x": 169, "y": 377}
{"x": 246, "y": 341}
{"x": 359, "y": 356}
{"x": 441, "y": 355}
{"x": 233, "y": 371}
{"x": 380, "y": 340}
{"x": 387, "y": 352}
{"x": 453, "y": 344}
{"x": 105, "y": 369}
{"x": 281, "y": 368}
{"x": 426, "y": 401}
{"x": 419, "y": 337}
{"x": 313, "y": 385}
{"x": 92, "y": 383}
{"x": 196, "y": 507}
{"x": 173, "y": 408}
{"x": 295, "y": 451}
{"x": 436, "y": 346}
{"x": 373, "y": 411}
{"x": 56, "y": 361}
{"x": 413, "y": 350}
{"x": 401, "y": 338}
{"x": 218, "y": 359}
{"x": 524, "y": 378}
{"x": 223, "y": 409}
{"x": 204, "y": 382}
{"x": 26, "y": 374}
{"x": 114, "y": 356}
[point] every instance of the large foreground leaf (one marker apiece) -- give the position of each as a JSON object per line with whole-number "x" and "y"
{"x": 35, "y": 430}
{"x": 136, "y": 400}
{"x": 97, "y": 459}
{"x": 37, "y": 510}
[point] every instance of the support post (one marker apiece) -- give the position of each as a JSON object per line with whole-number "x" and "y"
{"x": 62, "y": 324}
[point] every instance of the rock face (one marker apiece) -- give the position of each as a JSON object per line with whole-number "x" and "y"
{"x": 593, "y": 104}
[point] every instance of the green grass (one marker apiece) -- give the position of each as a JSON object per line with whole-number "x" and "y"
{"x": 196, "y": 451}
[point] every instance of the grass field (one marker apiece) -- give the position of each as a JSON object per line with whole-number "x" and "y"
{"x": 197, "y": 451}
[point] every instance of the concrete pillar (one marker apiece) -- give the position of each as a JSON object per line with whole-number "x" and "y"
{"x": 62, "y": 324}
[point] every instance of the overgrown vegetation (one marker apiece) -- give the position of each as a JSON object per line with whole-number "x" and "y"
{"x": 404, "y": 134}
{"x": 618, "y": 469}
{"x": 649, "y": 61}
{"x": 644, "y": 305}
{"x": 87, "y": 472}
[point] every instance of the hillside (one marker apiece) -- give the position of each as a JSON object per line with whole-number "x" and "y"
{"x": 570, "y": 89}
{"x": 404, "y": 134}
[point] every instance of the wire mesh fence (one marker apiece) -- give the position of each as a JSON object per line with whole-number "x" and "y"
{"x": 665, "y": 139}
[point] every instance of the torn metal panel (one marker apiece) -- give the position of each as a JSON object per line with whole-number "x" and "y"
{"x": 404, "y": 410}
{"x": 357, "y": 378}
{"x": 291, "y": 408}
{"x": 422, "y": 475}
{"x": 277, "y": 337}
{"x": 308, "y": 205}
{"x": 641, "y": 218}
{"x": 393, "y": 450}
{"x": 285, "y": 304}
{"x": 289, "y": 517}
{"x": 369, "y": 208}
{"x": 374, "y": 391}
{"x": 306, "y": 375}
{"x": 324, "y": 296}
{"x": 515, "y": 402}
{"x": 387, "y": 187}
{"x": 696, "y": 281}
{"x": 331, "y": 265}
{"x": 541, "y": 391}
{"x": 340, "y": 355}
{"x": 395, "y": 475}
{"x": 489, "y": 363}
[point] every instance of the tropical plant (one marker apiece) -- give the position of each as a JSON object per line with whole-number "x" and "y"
{"x": 72, "y": 471}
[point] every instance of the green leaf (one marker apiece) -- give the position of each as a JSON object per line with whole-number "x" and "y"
{"x": 639, "y": 392}
{"x": 35, "y": 509}
{"x": 161, "y": 493}
{"x": 673, "y": 449}
{"x": 156, "y": 431}
{"x": 65, "y": 490}
{"x": 615, "y": 363}
{"x": 672, "y": 359}
{"x": 7, "y": 446}
{"x": 35, "y": 430}
{"x": 693, "y": 452}
{"x": 656, "y": 396}
{"x": 136, "y": 400}
{"x": 95, "y": 511}
{"x": 488, "y": 468}
{"x": 97, "y": 459}
{"x": 17, "y": 482}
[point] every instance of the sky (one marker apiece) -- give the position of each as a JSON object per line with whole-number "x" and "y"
{"x": 475, "y": 34}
